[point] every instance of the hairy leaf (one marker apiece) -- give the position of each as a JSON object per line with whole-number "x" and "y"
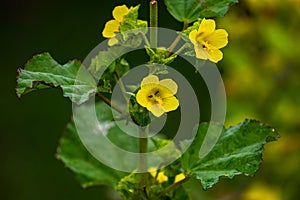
{"x": 88, "y": 170}
{"x": 190, "y": 10}
{"x": 237, "y": 151}
{"x": 42, "y": 72}
{"x": 74, "y": 154}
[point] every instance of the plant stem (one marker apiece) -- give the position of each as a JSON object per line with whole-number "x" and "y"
{"x": 177, "y": 39}
{"x": 145, "y": 39}
{"x": 153, "y": 23}
{"x": 143, "y": 163}
{"x": 122, "y": 86}
{"x": 174, "y": 43}
{"x": 108, "y": 102}
{"x": 180, "y": 49}
{"x": 171, "y": 187}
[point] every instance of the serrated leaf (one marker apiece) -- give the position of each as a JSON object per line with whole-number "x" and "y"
{"x": 237, "y": 151}
{"x": 88, "y": 170}
{"x": 190, "y": 10}
{"x": 42, "y": 72}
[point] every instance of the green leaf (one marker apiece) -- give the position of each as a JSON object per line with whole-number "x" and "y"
{"x": 110, "y": 65}
{"x": 190, "y": 10}
{"x": 42, "y": 72}
{"x": 88, "y": 170}
{"x": 237, "y": 151}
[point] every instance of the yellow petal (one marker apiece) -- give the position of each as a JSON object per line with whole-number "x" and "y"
{"x": 218, "y": 38}
{"x": 157, "y": 110}
{"x": 142, "y": 97}
{"x": 161, "y": 177}
{"x": 207, "y": 26}
{"x": 151, "y": 79}
{"x": 152, "y": 171}
{"x": 119, "y": 12}
{"x": 215, "y": 55}
{"x": 201, "y": 53}
{"x": 112, "y": 41}
{"x": 170, "y": 84}
{"x": 179, "y": 177}
{"x": 170, "y": 104}
{"x": 164, "y": 92}
{"x": 193, "y": 36}
{"x": 110, "y": 28}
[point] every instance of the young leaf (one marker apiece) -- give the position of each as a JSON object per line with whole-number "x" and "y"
{"x": 42, "y": 71}
{"x": 237, "y": 151}
{"x": 190, "y": 10}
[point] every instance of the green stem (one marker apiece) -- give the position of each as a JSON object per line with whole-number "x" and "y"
{"x": 145, "y": 39}
{"x": 153, "y": 23}
{"x": 177, "y": 39}
{"x": 171, "y": 187}
{"x": 108, "y": 102}
{"x": 143, "y": 162}
{"x": 180, "y": 49}
{"x": 174, "y": 43}
{"x": 122, "y": 86}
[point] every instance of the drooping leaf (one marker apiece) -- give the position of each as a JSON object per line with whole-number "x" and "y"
{"x": 190, "y": 10}
{"x": 237, "y": 151}
{"x": 42, "y": 72}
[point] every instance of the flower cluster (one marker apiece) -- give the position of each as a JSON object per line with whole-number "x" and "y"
{"x": 161, "y": 177}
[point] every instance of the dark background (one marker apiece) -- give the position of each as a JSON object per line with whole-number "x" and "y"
{"x": 260, "y": 70}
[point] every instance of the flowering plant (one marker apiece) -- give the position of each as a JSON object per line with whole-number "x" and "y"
{"x": 149, "y": 165}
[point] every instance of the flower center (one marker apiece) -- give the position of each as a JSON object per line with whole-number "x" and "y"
{"x": 206, "y": 46}
{"x": 155, "y": 97}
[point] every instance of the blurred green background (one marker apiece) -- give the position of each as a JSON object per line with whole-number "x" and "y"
{"x": 261, "y": 71}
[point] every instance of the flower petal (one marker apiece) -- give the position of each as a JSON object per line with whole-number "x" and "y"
{"x": 179, "y": 177}
{"x": 110, "y": 28}
{"x": 142, "y": 97}
{"x": 152, "y": 171}
{"x": 201, "y": 53}
{"x": 170, "y": 104}
{"x": 161, "y": 177}
{"x": 169, "y": 84}
{"x": 215, "y": 55}
{"x": 112, "y": 41}
{"x": 193, "y": 36}
{"x": 157, "y": 110}
{"x": 218, "y": 38}
{"x": 119, "y": 12}
{"x": 164, "y": 92}
{"x": 151, "y": 79}
{"x": 207, "y": 26}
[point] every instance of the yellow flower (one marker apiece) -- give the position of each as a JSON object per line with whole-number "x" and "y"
{"x": 113, "y": 26}
{"x": 179, "y": 177}
{"x": 158, "y": 96}
{"x": 160, "y": 177}
{"x": 207, "y": 41}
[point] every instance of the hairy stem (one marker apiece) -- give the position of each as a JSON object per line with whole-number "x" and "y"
{"x": 145, "y": 39}
{"x": 143, "y": 162}
{"x": 178, "y": 38}
{"x": 108, "y": 102}
{"x": 153, "y": 23}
